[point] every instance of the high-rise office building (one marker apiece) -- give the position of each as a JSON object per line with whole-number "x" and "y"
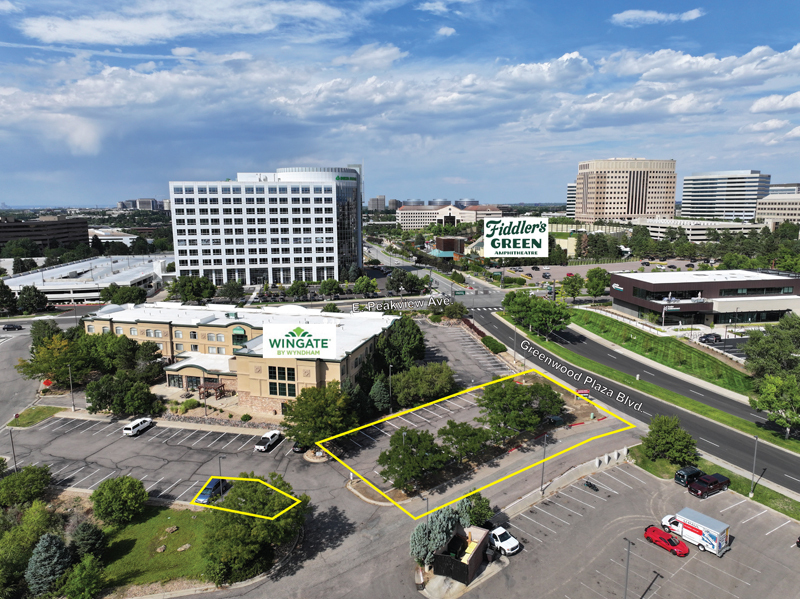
{"x": 296, "y": 224}
{"x": 570, "y": 200}
{"x": 394, "y": 205}
{"x": 377, "y": 204}
{"x": 624, "y": 188}
{"x": 725, "y": 195}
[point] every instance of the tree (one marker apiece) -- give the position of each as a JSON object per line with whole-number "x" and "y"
{"x": 572, "y": 286}
{"x": 412, "y": 455}
{"x": 119, "y": 500}
{"x": 170, "y": 267}
{"x": 775, "y": 350}
{"x": 17, "y": 544}
{"x": 97, "y": 245}
{"x": 140, "y": 247}
{"x": 597, "y": 280}
{"x": 237, "y": 546}
{"x": 353, "y": 272}
{"x": 114, "y": 294}
{"x": 31, "y": 300}
{"x": 330, "y": 307}
{"x": 400, "y": 346}
{"x": 88, "y": 539}
{"x": 52, "y": 359}
{"x": 668, "y": 440}
{"x": 24, "y": 486}
{"x": 43, "y": 331}
{"x": 544, "y": 316}
{"x": 779, "y": 397}
{"x": 24, "y": 248}
{"x": 49, "y": 560}
{"x": 421, "y": 384}
{"x": 548, "y": 401}
{"x": 479, "y": 510}
{"x": 507, "y": 408}
{"x": 18, "y": 266}
{"x": 419, "y": 240}
{"x": 232, "y": 290}
{"x": 330, "y": 287}
{"x": 379, "y": 394}
{"x": 318, "y": 413}
{"x": 299, "y": 288}
{"x": 192, "y": 289}
{"x": 365, "y": 285}
{"x": 86, "y": 580}
{"x": 455, "y": 310}
{"x": 122, "y": 395}
{"x": 462, "y": 439}
{"x": 419, "y": 544}
{"x": 8, "y": 300}
{"x": 640, "y": 241}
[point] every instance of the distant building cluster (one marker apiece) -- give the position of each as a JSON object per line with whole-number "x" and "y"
{"x": 110, "y": 235}
{"x": 144, "y": 204}
{"x": 414, "y": 215}
{"x": 46, "y": 231}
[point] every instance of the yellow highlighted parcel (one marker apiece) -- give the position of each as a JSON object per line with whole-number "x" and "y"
{"x": 520, "y": 471}
{"x": 255, "y": 480}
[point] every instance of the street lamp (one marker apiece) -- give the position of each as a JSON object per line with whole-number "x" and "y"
{"x": 71, "y": 396}
{"x": 222, "y": 484}
{"x": 543, "y": 460}
{"x": 753, "y": 478}
{"x": 391, "y": 409}
{"x": 627, "y": 565}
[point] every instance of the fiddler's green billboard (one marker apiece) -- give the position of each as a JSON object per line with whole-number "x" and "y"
{"x": 523, "y": 237}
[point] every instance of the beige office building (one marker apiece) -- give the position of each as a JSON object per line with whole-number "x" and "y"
{"x": 775, "y": 208}
{"x": 419, "y": 217}
{"x": 624, "y": 188}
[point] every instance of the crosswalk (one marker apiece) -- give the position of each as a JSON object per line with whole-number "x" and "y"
{"x": 488, "y": 309}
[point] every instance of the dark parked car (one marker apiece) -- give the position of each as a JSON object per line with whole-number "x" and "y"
{"x": 645, "y": 263}
{"x": 690, "y": 265}
{"x": 709, "y": 484}
{"x": 686, "y": 476}
{"x": 534, "y": 268}
{"x": 546, "y": 275}
{"x": 214, "y": 488}
{"x": 671, "y": 266}
{"x": 297, "y": 448}
{"x": 12, "y": 327}
{"x": 711, "y": 338}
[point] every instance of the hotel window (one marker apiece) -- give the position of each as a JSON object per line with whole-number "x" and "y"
{"x": 212, "y": 350}
{"x": 149, "y": 332}
{"x": 134, "y": 332}
{"x": 160, "y": 346}
{"x": 178, "y": 334}
{"x": 118, "y": 330}
{"x": 192, "y": 334}
{"x": 105, "y": 330}
{"x": 179, "y": 347}
{"x": 221, "y": 338}
{"x": 90, "y": 328}
{"x": 159, "y": 334}
{"x": 193, "y": 347}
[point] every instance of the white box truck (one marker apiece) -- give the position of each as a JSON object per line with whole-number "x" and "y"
{"x": 699, "y": 529}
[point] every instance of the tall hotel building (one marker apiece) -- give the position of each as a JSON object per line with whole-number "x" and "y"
{"x": 723, "y": 194}
{"x": 624, "y": 188}
{"x": 296, "y": 224}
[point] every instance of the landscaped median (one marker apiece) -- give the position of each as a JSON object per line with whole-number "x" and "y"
{"x": 749, "y": 428}
{"x": 34, "y": 415}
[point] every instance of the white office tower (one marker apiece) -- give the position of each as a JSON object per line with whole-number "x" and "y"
{"x": 571, "y": 200}
{"x": 296, "y": 224}
{"x": 725, "y": 195}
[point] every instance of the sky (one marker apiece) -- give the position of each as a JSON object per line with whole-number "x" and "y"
{"x": 494, "y": 100}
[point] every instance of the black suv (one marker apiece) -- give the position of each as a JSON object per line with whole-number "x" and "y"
{"x": 711, "y": 338}
{"x": 686, "y": 476}
{"x": 12, "y": 327}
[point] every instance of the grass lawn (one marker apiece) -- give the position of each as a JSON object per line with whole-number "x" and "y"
{"x": 34, "y": 415}
{"x": 772, "y": 435}
{"x": 132, "y": 559}
{"x": 739, "y": 484}
{"x": 559, "y": 234}
{"x": 668, "y": 351}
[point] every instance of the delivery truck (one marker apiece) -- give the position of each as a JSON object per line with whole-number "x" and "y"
{"x": 701, "y": 530}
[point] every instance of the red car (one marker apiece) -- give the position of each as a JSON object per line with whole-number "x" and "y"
{"x": 569, "y": 274}
{"x": 653, "y": 534}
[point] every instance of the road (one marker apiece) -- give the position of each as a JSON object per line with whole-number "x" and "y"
{"x": 776, "y": 465}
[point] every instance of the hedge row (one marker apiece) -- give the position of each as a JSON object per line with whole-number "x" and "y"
{"x": 494, "y": 345}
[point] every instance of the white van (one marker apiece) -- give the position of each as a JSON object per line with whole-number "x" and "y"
{"x": 137, "y": 426}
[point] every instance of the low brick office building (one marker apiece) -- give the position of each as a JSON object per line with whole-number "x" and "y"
{"x": 267, "y": 355}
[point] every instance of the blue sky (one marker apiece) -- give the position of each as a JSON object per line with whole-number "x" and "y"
{"x": 498, "y": 101}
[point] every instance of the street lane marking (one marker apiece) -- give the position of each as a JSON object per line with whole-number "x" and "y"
{"x": 756, "y": 516}
{"x": 696, "y": 393}
{"x": 537, "y": 524}
{"x": 646, "y": 372}
{"x": 167, "y": 489}
{"x": 102, "y": 479}
{"x": 648, "y": 413}
{"x": 539, "y": 507}
{"x": 618, "y": 480}
{"x": 525, "y": 532}
{"x": 707, "y": 441}
{"x": 793, "y": 478}
{"x": 101, "y": 430}
{"x": 72, "y": 486}
{"x": 774, "y": 529}
{"x": 186, "y": 491}
{"x": 231, "y": 441}
{"x": 218, "y": 438}
{"x": 200, "y": 439}
{"x": 757, "y": 416}
{"x": 615, "y": 357}
{"x": 154, "y": 484}
{"x": 734, "y": 505}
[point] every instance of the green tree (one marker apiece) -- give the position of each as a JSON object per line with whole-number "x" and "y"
{"x": 52, "y": 359}
{"x": 597, "y": 281}
{"x": 236, "y": 546}
{"x": 353, "y": 272}
{"x": 43, "y": 331}
{"x": 331, "y": 307}
{"x": 379, "y": 394}
{"x": 457, "y": 277}
{"x": 400, "y": 346}
{"x": 298, "y": 288}
{"x": 22, "y": 248}
{"x": 24, "y": 486}
{"x": 49, "y": 560}
{"x": 462, "y": 439}
{"x": 119, "y": 500}
{"x": 192, "y": 289}
{"x": 775, "y": 350}
{"x": 455, "y": 310}
{"x": 114, "y": 294}
{"x": 412, "y": 455}
{"x": 640, "y": 241}
{"x": 97, "y": 245}
{"x": 8, "y": 300}
{"x": 170, "y": 267}
{"x": 122, "y": 395}
{"x": 419, "y": 544}
{"x": 422, "y": 384}
{"x": 543, "y": 316}
{"x": 318, "y": 413}
{"x": 330, "y": 287}
{"x": 419, "y": 240}
{"x": 779, "y": 397}
{"x": 232, "y": 290}
{"x": 572, "y": 286}
{"x": 86, "y": 580}
{"x": 88, "y": 539}
{"x": 365, "y": 285}
{"x": 548, "y": 401}
{"x": 507, "y": 408}
{"x": 666, "y": 439}
{"x": 479, "y": 510}
{"x": 140, "y": 247}
{"x": 31, "y": 300}
{"x": 17, "y": 544}
{"x": 18, "y": 266}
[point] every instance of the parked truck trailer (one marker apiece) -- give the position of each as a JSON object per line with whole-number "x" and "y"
{"x": 701, "y": 530}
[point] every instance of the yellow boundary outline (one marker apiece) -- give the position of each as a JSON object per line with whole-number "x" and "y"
{"x": 520, "y": 471}
{"x": 257, "y": 480}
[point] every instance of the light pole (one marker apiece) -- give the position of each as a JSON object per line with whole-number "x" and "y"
{"x": 13, "y": 453}
{"x": 543, "y": 460}
{"x": 222, "y": 483}
{"x": 391, "y": 408}
{"x": 753, "y": 478}
{"x": 71, "y": 396}
{"x": 427, "y": 515}
{"x": 627, "y": 565}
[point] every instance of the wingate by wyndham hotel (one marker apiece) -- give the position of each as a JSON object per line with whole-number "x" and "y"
{"x": 267, "y": 355}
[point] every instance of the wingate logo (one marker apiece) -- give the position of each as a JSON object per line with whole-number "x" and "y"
{"x": 616, "y": 287}
{"x": 316, "y": 341}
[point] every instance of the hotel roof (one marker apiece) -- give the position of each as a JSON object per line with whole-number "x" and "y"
{"x": 701, "y": 276}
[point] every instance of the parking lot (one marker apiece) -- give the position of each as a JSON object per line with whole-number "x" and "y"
{"x": 574, "y": 545}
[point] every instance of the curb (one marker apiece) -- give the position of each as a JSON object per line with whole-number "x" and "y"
{"x": 349, "y": 486}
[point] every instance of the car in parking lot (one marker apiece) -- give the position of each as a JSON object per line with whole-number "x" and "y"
{"x": 689, "y": 265}
{"x": 653, "y": 534}
{"x": 671, "y": 266}
{"x": 661, "y": 267}
{"x": 570, "y": 274}
{"x": 297, "y": 448}
{"x": 268, "y": 440}
{"x": 710, "y": 338}
{"x": 215, "y": 487}
{"x": 645, "y": 263}
{"x": 503, "y": 541}
{"x": 534, "y": 268}
{"x": 545, "y": 268}
{"x": 709, "y": 484}
{"x": 546, "y": 275}
{"x": 12, "y": 327}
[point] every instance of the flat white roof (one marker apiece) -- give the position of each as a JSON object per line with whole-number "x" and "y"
{"x": 352, "y": 330}
{"x": 95, "y": 273}
{"x": 700, "y": 276}
{"x": 211, "y": 363}
{"x": 757, "y": 298}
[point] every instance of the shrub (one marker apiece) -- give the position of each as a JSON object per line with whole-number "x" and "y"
{"x": 230, "y": 415}
{"x": 119, "y": 500}
{"x": 24, "y": 486}
{"x": 190, "y": 404}
{"x": 88, "y": 539}
{"x": 86, "y": 579}
{"x": 435, "y": 318}
{"x": 493, "y": 344}
{"x": 246, "y": 417}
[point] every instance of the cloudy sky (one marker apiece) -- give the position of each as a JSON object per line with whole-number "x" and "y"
{"x": 496, "y": 100}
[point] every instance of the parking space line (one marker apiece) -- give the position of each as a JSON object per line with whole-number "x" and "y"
{"x": 351, "y": 441}
{"x": 774, "y": 529}
{"x": 618, "y": 480}
{"x": 144, "y": 477}
{"x": 685, "y": 589}
{"x": 158, "y": 434}
{"x": 629, "y": 474}
{"x": 102, "y": 429}
{"x": 455, "y": 404}
{"x": 445, "y": 409}
{"x": 72, "y": 486}
{"x": 566, "y": 508}
{"x": 115, "y": 431}
{"x": 49, "y": 424}
{"x": 578, "y": 500}
{"x": 707, "y": 565}
{"x": 200, "y": 439}
{"x": 102, "y": 479}
{"x": 167, "y": 489}
{"x": 250, "y": 440}
{"x": 68, "y": 422}
{"x": 91, "y": 427}
{"x": 538, "y": 507}
{"x": 63, "y": 480}
{"x": 745, "y": 565}
{"x": 613, "y": 561}
{"x": 64, "y": 468}
{"x": 619, "y": 585}
{"x": 177, "y": 432}
{"x": 587, "y": 492}
{"x": 593, "y": 591}
{"x": 278, "y": 445}
{"x": 218, "y": 438}
{"x": 231, "y": 441}
{"x": 186, "y": 491}
{"x": 734, "y": 505}
{"x": 602, "y": 485}
{"x": 368, "y": 437}
{"x": 154, "y": 484}
{"x": 756, "y": 516}
{"x": 432, "y": 412}
{"x": 380, "y": 430}
{"x": 392, "y": 423}
{"x": 682, "y": 566}
{"x": 411, "y": 423}
{"x": 187, "y": 436}
{"x": 705, "y": 580}
{"x": 537, "y": 524}
{"x": 84, "y": 423}
{"x": 525, "y": 532}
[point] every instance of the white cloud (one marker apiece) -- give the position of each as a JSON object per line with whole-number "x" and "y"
{"x": 570, "y": 69}
{"x": 770, "y": 125}
{"x": 440, "y": 7}
{"x": 184, "y": 51}
{"x": 637, "y": 18}
{"x": 446, "y": 31}
{"x": 793, "y": 134}
{"x": 777, "y": 103}
{"x": 372, "y": 56}
{"x": 6, "y": 6}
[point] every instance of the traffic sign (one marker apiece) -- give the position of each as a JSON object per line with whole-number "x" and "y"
{"x": 582, "y": 391}
{"x": 460, "y": 293}
{"x": 47, "y": 382}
